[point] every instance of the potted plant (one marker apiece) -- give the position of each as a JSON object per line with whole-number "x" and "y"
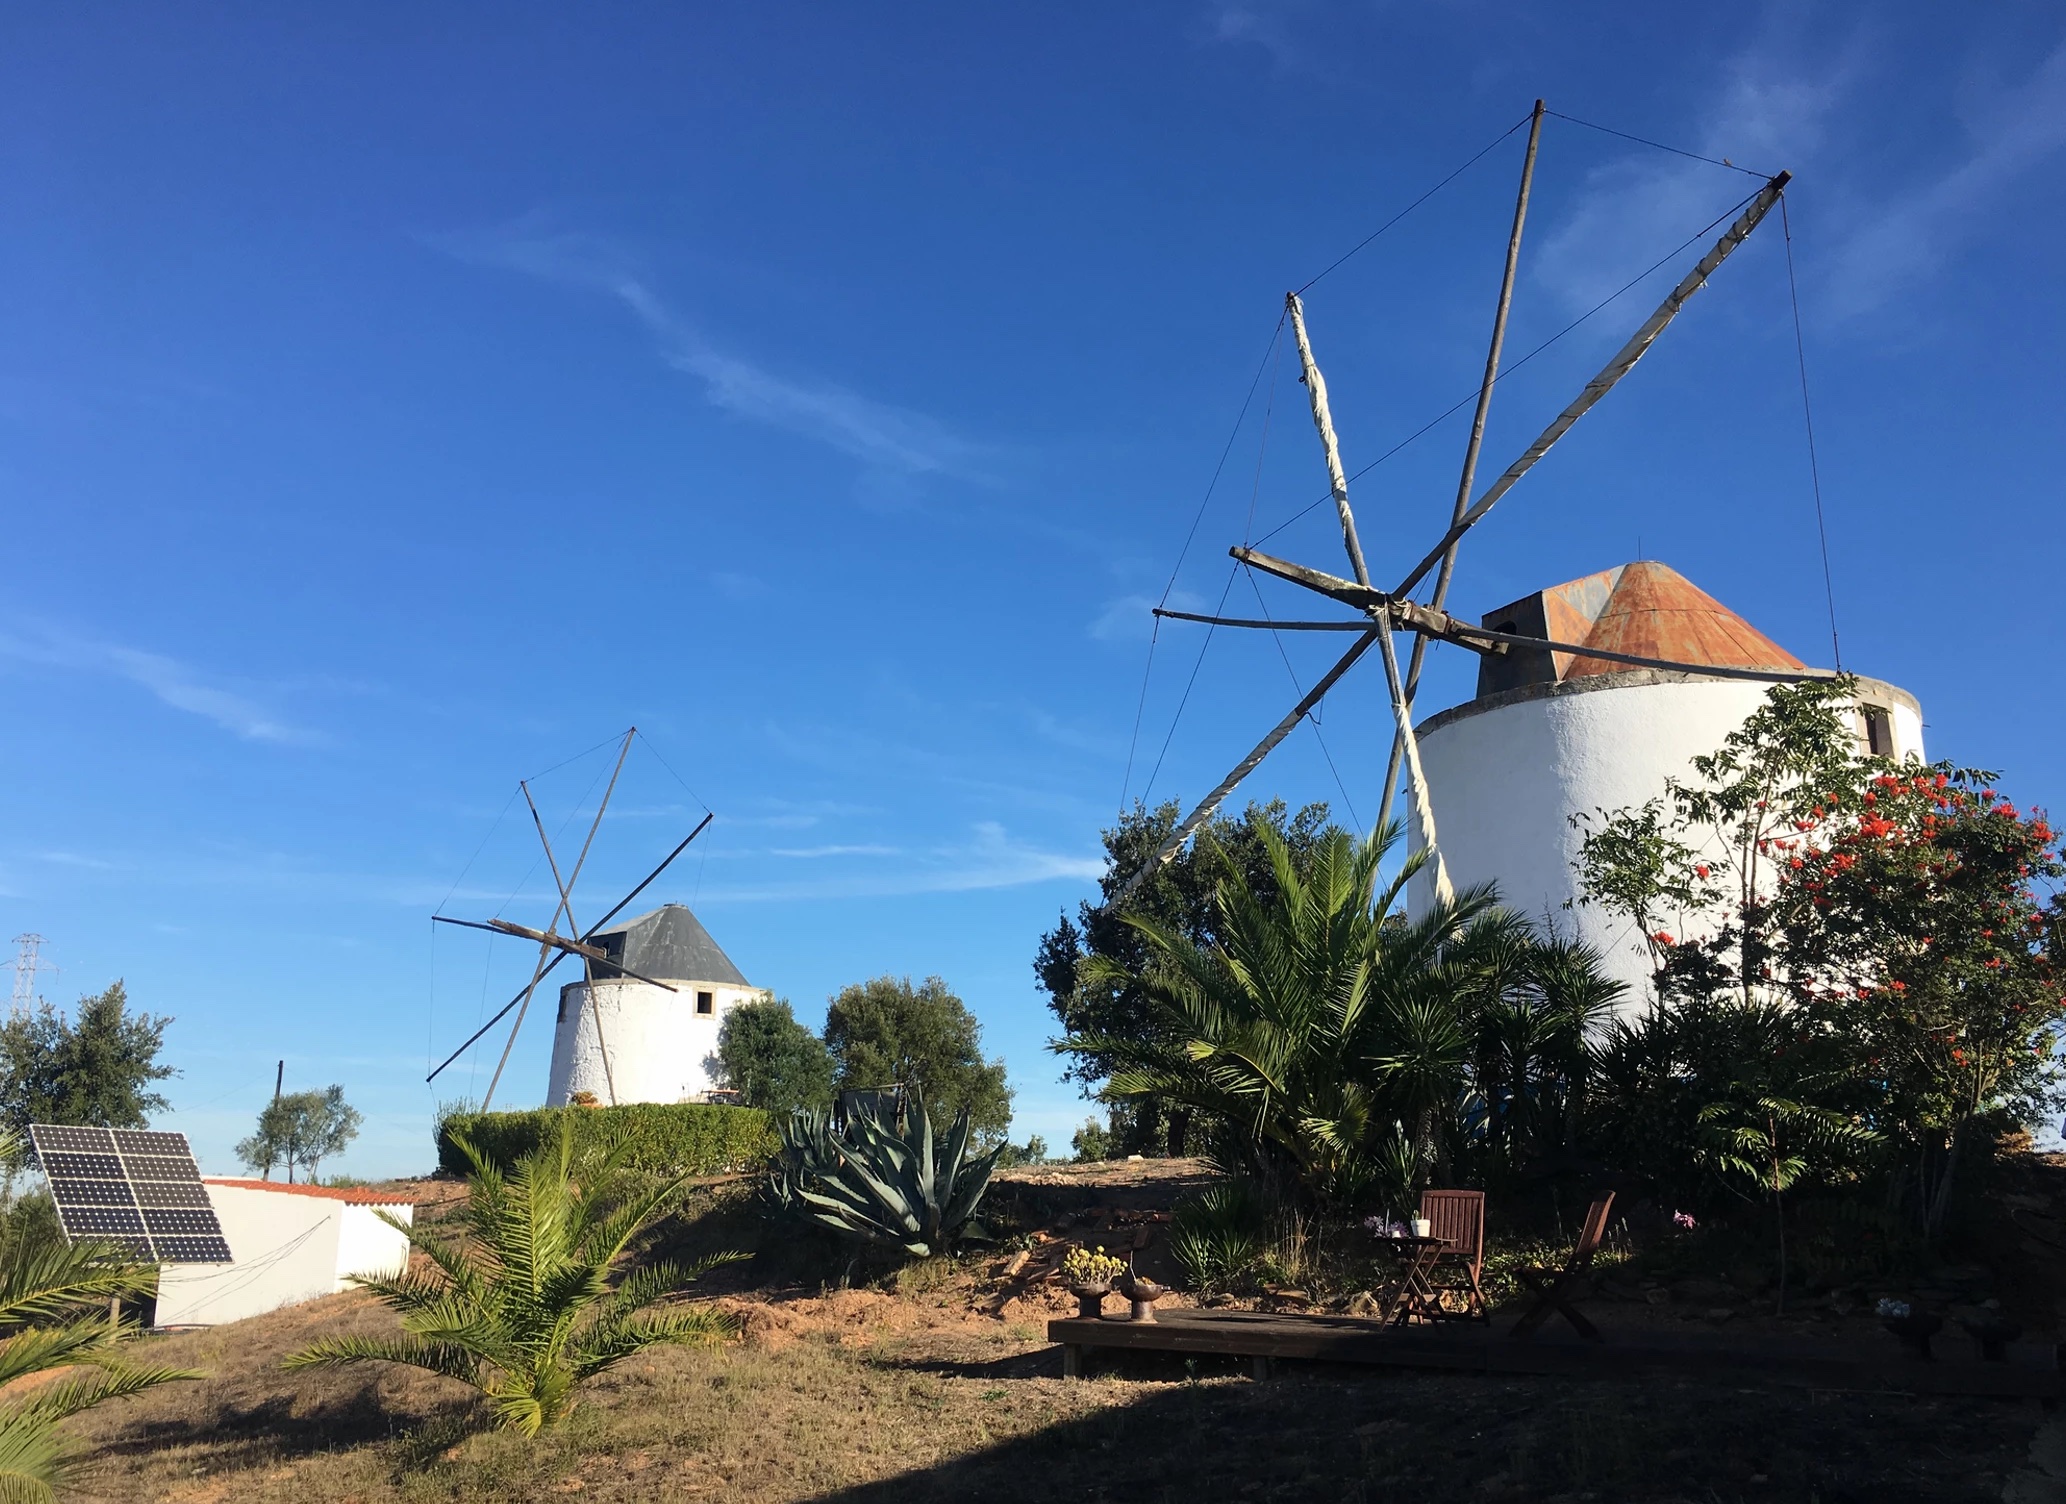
{"x": 1089, "y": 1276}
{"x": 1142, "y": 1292}
{"x": 1914, "y": 1328}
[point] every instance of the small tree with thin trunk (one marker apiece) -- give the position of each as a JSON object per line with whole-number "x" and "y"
{"x": 301, "y": 1129}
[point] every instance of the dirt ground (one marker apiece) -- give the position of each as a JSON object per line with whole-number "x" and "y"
{"x": 938, "y": 1384}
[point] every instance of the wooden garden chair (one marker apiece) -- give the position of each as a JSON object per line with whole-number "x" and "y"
{"x": 1552, "y": 1286}
{"x": 1458, "y": 1219}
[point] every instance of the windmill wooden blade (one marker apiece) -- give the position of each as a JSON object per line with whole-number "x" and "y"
{"x": 1425, "y": 622}
{"x": 1416, "y": 782}
{"x": 1381, "y": 611}
{"x": 1623, "y": 362}
{"x": 1332, "y": 586}
{"x": 1243, "y": 768}
{"x": 1476, "y": 442}
{"x": 1323, "y": 421}
{"x": 594, "y": 929}
{"x": 566, "y": 891}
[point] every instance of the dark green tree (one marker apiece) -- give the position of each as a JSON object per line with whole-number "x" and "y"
{"x": 886, "y": 1032}
{"x": 1179, "y": 898}
{"x": 773, "y": 1061}
{"x": 95, "y": 1069}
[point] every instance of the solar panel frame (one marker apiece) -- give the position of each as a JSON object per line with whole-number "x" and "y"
{"x": 137, "y": 1188}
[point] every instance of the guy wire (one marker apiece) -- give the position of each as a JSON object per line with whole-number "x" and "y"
{"x": 1800, "y": 352}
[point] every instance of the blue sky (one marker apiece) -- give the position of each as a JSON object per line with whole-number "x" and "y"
{"x": 397, "y": 402}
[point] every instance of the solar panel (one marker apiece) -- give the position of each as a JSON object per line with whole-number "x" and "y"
{"x": 138, "y": 1189}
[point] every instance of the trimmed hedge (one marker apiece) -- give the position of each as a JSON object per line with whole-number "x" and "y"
{"x": 679, "y": 1138}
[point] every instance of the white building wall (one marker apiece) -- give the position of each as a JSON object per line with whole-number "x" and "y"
{"x": 1505, "y": 780}
{"x": 367, "y": 1245}
{"x": 660, "y": 1048}
{"x": 285, "y": 1247}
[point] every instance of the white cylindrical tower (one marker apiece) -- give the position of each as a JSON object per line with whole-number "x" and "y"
{"x": 1553, "y": 735}
{"x": 621, "y": 1039}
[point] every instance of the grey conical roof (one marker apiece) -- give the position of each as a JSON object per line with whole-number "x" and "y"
{"x": 668, "y": 944}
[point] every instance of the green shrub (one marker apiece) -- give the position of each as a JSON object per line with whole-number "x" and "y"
{"x": 1220, "y": 1234}
{"x": 663, "y": 1138}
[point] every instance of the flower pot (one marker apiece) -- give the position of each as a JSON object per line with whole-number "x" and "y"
{"x": 1143, "y": 1293}
{"x": 1090, "y": 1299}
{"x": 1914, "y": 1331}
{"x": 1993, "y": 1333}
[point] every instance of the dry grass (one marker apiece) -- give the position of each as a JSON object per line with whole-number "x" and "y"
{"x": 862, "y": 1396}
{"x": 940, "y": 1386}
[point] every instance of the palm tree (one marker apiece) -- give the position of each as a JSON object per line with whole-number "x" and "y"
{"x": 537, "y": 1298}
{"x": 1321, "y": 1025}
{"x": 54, "y": 1314}
{"x": 1354, "y": 1046}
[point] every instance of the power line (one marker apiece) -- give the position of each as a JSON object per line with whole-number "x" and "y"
{"x": 1459, "y": 172}
{"x": 1472, "y": 396}
{"x": 1155, "y": 633}
{"x": 1646, "y": 141}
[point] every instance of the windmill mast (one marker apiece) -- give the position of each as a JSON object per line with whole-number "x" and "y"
{"x": 1477, "y": 439}
{"x": 1381, "y": 613}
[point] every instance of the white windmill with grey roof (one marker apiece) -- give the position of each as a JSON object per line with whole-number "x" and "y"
{"x": 642, "y": 1025}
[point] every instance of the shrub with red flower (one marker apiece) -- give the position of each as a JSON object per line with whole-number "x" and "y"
{"x": 1906, "y": 918}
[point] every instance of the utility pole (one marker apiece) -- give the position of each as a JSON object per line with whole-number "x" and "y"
{"x": 279, "y": 1080}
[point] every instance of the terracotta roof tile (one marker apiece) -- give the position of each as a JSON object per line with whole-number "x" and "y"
{"x": 356, "y": 1195}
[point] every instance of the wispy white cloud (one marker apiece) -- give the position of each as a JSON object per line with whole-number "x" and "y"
{"x": 1639, "y": 205}
{"x": 1918, "y": 230}
{"x": 889, "y": 438}
{"x": 1130, "y": 618}
{"x": 75, "y": 859}
{"x": 1259, "y": 23}
{"x": 734, "y": 586}
{"x": 1879, "y": 242}
{"x": 170, "y": 681}
{"x": 989, "y": 858}
{"x": 812, "y": 853}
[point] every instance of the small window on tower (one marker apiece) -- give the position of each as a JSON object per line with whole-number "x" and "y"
{"x": 705, "y": 1003}
{"x": 1879, "y": 730}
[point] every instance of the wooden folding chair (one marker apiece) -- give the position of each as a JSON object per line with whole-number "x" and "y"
{"x": 1551, "y": 1285}
{"x": 1458, "y": 1219}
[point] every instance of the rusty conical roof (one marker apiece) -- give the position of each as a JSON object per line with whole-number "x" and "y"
{"x": 1656, "y": 612}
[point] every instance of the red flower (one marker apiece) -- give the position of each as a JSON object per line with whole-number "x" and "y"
{"x": 1700, "y": 870}
{"x": 1663, "y": 938}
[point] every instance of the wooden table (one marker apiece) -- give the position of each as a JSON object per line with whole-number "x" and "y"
{"x": 1872, "y": 1363}
{"x": 1416, "y": 1295}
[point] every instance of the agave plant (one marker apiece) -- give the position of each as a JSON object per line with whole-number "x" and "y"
{"x": 884, "y": 1179}
{"x": 536, "y": 1298}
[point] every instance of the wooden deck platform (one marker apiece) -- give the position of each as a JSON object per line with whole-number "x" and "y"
{"x": 2030, "y": 1371}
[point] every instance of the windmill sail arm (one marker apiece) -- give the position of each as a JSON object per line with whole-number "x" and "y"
{"x": 546, "y": 937}
{"x": 590, "y": 934}
{"x": 1426, "y": 622}
{"x": 1323, "y": 423}
{"x": 1242, "y": 769}
{"x": 1623, "y": 362}
{"x": 500, "y": 1014}
{"x": 1348, "y": 592}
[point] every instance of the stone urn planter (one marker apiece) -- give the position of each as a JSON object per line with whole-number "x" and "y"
{"x": 1913, "y": 1329}
{"x": 1090, "y": 1298}
{"x": 1143, "y": 1293}
{"x": 1993, "y": 1332}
